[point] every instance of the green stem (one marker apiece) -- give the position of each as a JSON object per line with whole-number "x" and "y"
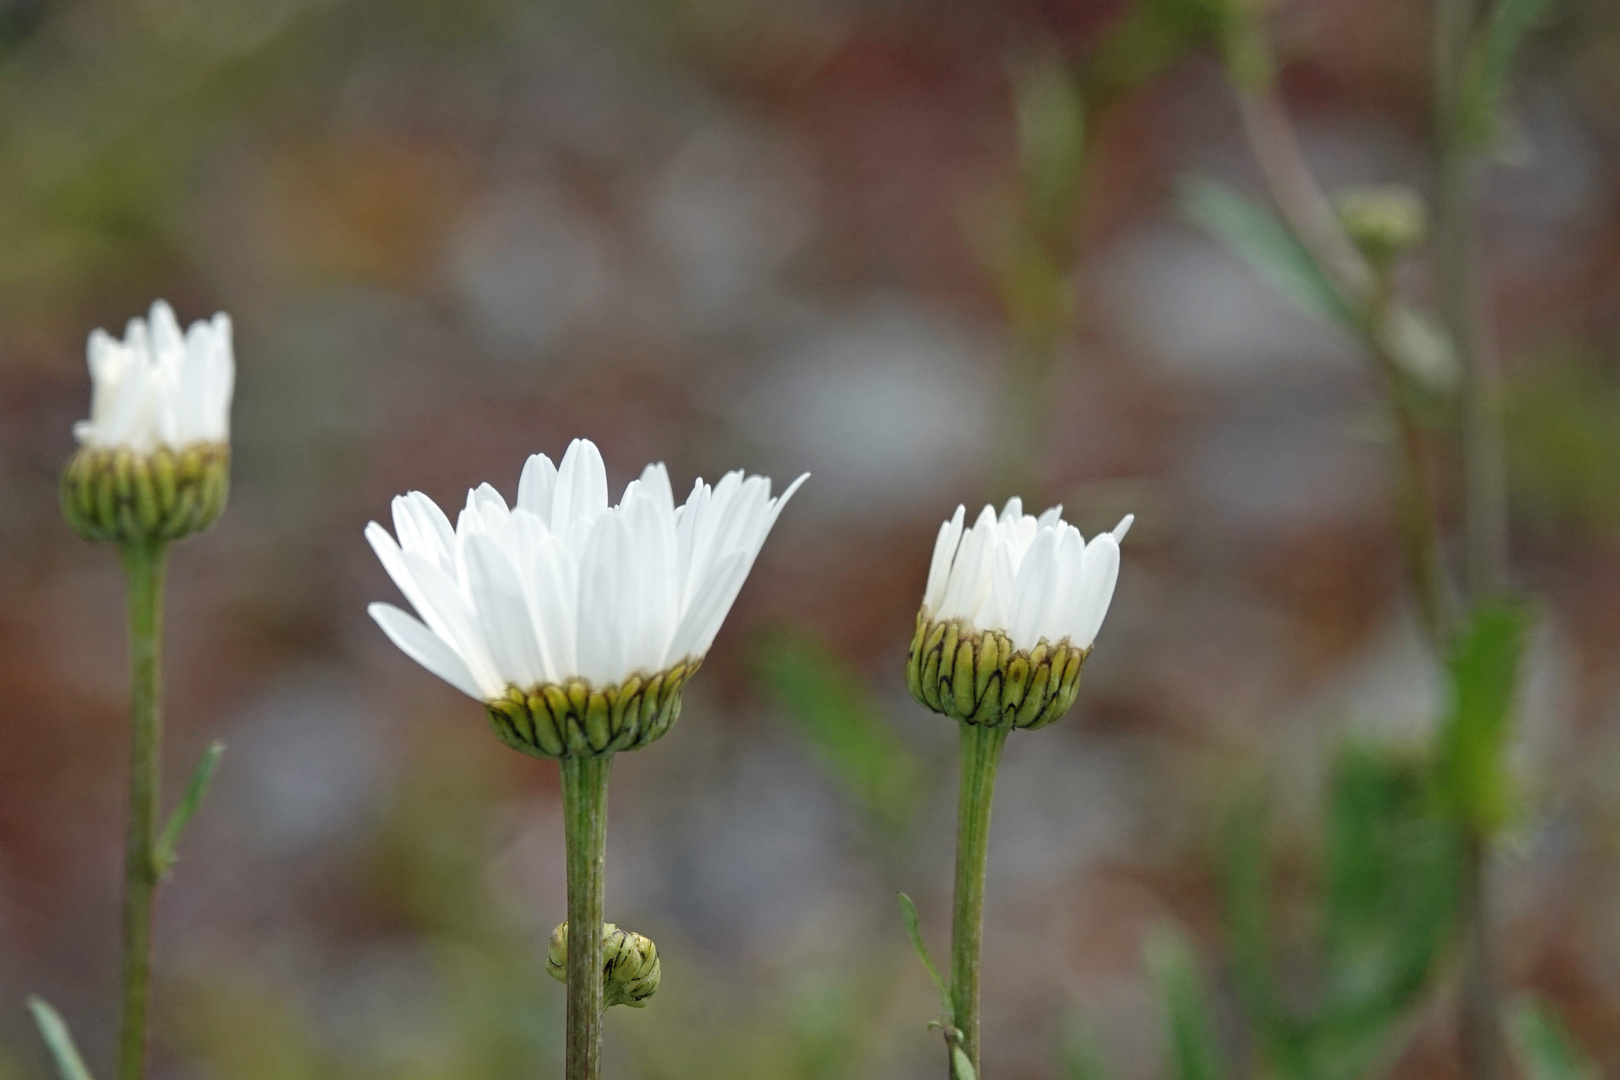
{"x": 981, "y": 752}
{"x": 144, "y": 569}
{"x": 1414, "y": 504}
{"x": 1484, "y": 485}
{"x": 1462, "y": 306}
{"x": 1479, "y": 1023}
{"x": 585, "y": 787}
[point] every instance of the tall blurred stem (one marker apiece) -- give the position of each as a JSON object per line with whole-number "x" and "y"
{"x": 144, "y": 564}
{"x": 1309, "y": 216}
{"x": 585, "y": 790}
{"x": 1369, "y": 291}
{"x": 1484, "y": 488}
{"x": 981, "y": 753}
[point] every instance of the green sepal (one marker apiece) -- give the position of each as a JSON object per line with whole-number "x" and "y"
{"x": 979, "y": 678}
{"x": 118, "y": 494}
{"x": 575, "y": 719}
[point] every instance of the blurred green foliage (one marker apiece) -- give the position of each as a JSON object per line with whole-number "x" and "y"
{"x": 1190, "y": 1034}
{"x": 1545, "y": 1049}
{"x": 1471, "y": 749}
{"x": 1489, "y": 60}
{"x": 490, "y": 1011}
{"x": 1386, "y": 900}
{"x": 847, "y": 732}
{"x": 1080, "y": 1055}
{"x": 1149, "y": 37}
{"x": 69, "y": 1065}
{"x": 1261, "y": 239}
{"x": 1387, "y": 894}
{"x": 1563, "y": 445}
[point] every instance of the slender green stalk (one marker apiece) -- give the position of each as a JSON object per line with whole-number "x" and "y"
{"x": 144, "y": 564}
{"x": 585, "y": 788}
{"x": 1484, "y": 485}
{"x": 1309, "y": 214}
{"x": 1479, "y": 1019}
{"x": 1462, "y": 305}
{"x": 1414, "y": 501}
{"x": 981, "y": 752}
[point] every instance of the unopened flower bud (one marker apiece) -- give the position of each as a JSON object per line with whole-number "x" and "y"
{"x": 154, "y": 457}
{"x": 1012, "y": 608}
{"x": 630, "y": 968}
{"x": 1383, "y": 222}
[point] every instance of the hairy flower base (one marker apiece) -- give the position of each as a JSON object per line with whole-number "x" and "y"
{"x": 113, "y": 493}
{"x": 630, "y": 969}
{"x": 574, "y": 720}
{"x": 981, "y": 679}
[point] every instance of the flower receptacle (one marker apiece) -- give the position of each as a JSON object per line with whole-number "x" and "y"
{"x": 575, "y": 719}
{"x": 117, "y": 493}
{"x": 979, "y": 678}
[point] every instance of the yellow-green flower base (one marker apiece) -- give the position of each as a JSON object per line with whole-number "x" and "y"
{"x": 119, "y": 494}
{"x": 577, "y": 720}
{"x": 979, "y": 678}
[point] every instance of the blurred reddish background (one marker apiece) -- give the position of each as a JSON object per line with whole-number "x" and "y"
{"x": 752, "y": 233}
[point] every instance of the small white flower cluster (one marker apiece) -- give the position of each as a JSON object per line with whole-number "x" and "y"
{"x": 159, "y": 387}
{"x": 564, "y": 587}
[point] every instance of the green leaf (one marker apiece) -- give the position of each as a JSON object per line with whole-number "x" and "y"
{"x": 1545, "y": 1048}
{"x": 961, "y": 1067}
{"x": 1194, "y": 1053}
{"x": 69, "y": 1065}
{"x": 848, "y": 733}
{"x": 1270, "y": 248}
{"x": 169, "y": 843}
{"x": 1387, "y": 900}
{"x": 1489, "y": 60}
{"x": 908, "y": 912}
{"x": 1471, "y": 760}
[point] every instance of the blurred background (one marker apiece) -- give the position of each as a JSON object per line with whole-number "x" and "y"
{"x": 783, "y": 235}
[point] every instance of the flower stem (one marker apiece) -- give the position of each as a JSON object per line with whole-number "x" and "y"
{"x": 144, "y": 570}
{"x": 585, "y": 787}
{"x": 1479, "y": 1026}
{"x": 1462, "y": 306}
{"x": 981, "y": 752}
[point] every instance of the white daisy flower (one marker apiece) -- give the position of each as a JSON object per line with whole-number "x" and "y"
{"x": 564, "y": 594}
{"x": 159, "y": 387}
{"x": 1012, "y": 607}
{"x": 153, "y": 463}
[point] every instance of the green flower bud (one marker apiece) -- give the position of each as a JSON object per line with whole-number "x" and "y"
{"x": 1383, "y": 222}
{"x": 980, "y": 678}
{"x": 630, "y": 970}
{"x": 578, "y": 720}
{"x": 116, "y": 493}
